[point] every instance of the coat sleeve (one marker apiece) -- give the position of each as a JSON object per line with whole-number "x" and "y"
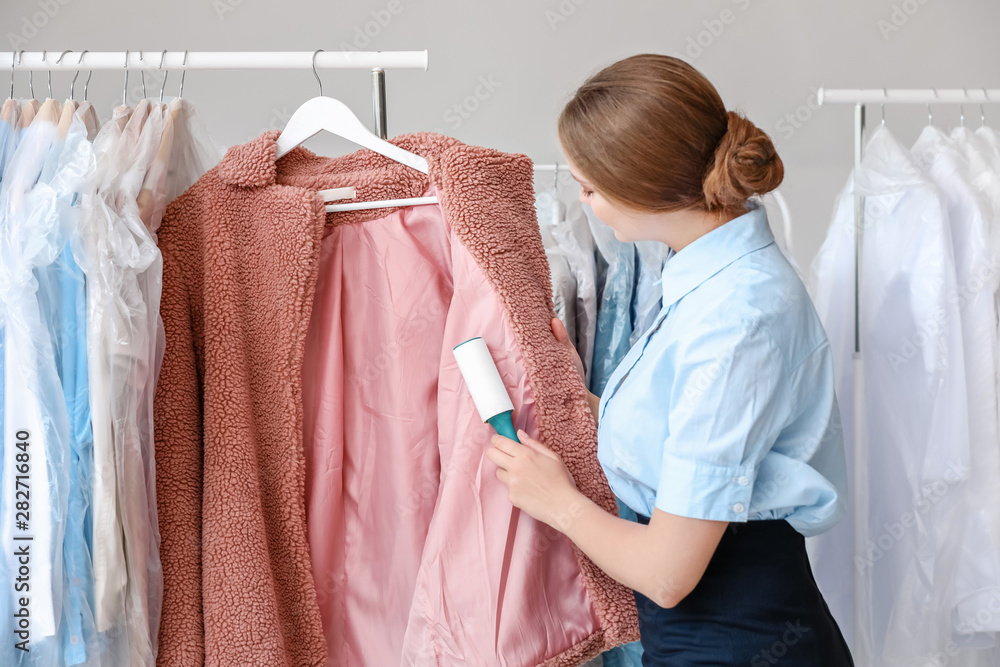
{"x": 178, "y": 435}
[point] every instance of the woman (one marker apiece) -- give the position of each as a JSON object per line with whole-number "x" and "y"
{"x": 720, "y": 427}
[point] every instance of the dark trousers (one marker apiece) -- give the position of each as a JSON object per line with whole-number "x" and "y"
{"x": 756, "y": 605}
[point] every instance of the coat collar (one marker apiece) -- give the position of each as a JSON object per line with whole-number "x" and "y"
{"x": 254, "y": 165}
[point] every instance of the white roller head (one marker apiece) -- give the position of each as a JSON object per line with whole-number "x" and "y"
{"x": 482, "y": 377}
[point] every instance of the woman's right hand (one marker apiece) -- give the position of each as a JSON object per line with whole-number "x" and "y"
{"x": 559, "y": 331}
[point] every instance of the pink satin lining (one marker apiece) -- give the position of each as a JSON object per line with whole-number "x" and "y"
{"x": 407, "y": 520}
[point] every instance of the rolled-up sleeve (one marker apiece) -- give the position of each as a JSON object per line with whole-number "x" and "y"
{"x": 726, "y": 407}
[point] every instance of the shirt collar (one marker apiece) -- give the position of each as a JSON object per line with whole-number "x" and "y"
{"x": 707, "y": 255}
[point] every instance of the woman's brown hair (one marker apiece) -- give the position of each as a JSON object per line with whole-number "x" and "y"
{"x": 651, "y": 133}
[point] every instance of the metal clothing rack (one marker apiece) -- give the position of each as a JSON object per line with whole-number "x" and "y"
{"x": 859, "y": 97}
{"x": 376, "y": 61}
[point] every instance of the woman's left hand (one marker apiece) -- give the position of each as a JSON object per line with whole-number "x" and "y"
{"x": 536, "y": 477}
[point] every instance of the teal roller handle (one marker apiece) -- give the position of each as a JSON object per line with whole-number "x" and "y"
{"x": 504, "y": 425}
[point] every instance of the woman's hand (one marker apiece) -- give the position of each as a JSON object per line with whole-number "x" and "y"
{"x": 559, "y": 331}
{"x": 562, "y": 336}
{"x": 536, "y": 477}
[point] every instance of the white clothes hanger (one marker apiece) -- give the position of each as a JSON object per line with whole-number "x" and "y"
{"x": 786, "y": 219}
{"x": 385, "y": 203}
{"x": 332, "y": 115}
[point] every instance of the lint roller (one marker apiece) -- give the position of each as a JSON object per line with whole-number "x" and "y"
{"x": 494, "y": 406}
{"x": 487, "y": 389}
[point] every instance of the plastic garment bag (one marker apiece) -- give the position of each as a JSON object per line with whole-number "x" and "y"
{"x": 648, "y": 289}
{"x": 35, "y": 424}
{"x": 832, "y": 553}
{"x": 570, "y": 246}
{"x": 63, "y": 301}
{"x": 563, "y": 282}
{"x": 132, "y": 379}
{"x": 949, "y": 164}
{"x": 193, "y": 152}
{"x": 573, "y": 236}
{"x": 181, "y": 153}
{"x": 990, "y": 139}
{"x": 115, "y": 249}
{"x": 184, "y": 153}
{"x": 10, "y": 134}
{"x": 161, "y": 150}
{"x": 915, "y": 445}
{"x": 98, "y": 234}
{"x": 980, "y": 150}
{"x": 80, "y": 328}
{"x": 616, "y": 285}
{"x": 36, "y": 428}
{"x": 988, "y": 142}
{"x": 8, "y": 140}
{"x": 143, "y": 157}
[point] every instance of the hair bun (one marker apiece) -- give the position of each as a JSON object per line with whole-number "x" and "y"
{"x": 745, "y": 164}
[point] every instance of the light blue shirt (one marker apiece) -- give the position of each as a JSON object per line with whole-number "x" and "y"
{"x": 725, "y": 408}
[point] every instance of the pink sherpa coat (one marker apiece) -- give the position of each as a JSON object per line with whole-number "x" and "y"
{"x": 243, "y": 252}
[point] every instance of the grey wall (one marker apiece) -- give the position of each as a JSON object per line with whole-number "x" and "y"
{"x": 765, "y": 57}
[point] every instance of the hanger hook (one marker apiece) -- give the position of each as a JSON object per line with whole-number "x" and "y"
{"x": 142, "y": 76}
{"x": 885, "y": 96}
{"x": 20, "y": 63}
{"x": 31, "y": 86}
{"x": 86, "y": 84}
{"x": 180, "y": 93}
{"x": 315, "y": 74}
{"x": 165, "y": 74}
{"x": 72, "y": 84}
{"x": 48, "y": 76}
{"x": 555, "y": 179}
{"x": 13, "y": 59}
{"x": 930, "y": 118}
{"x": 125, "y": 87}
{"x": 31, "y": 77}
{"x": 59, "y": 61}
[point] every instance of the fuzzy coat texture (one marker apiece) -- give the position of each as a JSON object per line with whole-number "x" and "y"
{"x": 240, "y": 256}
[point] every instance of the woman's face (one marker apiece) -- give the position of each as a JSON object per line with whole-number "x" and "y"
{"x": 674, "y": 228}
{"x": 628, "y": 225}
